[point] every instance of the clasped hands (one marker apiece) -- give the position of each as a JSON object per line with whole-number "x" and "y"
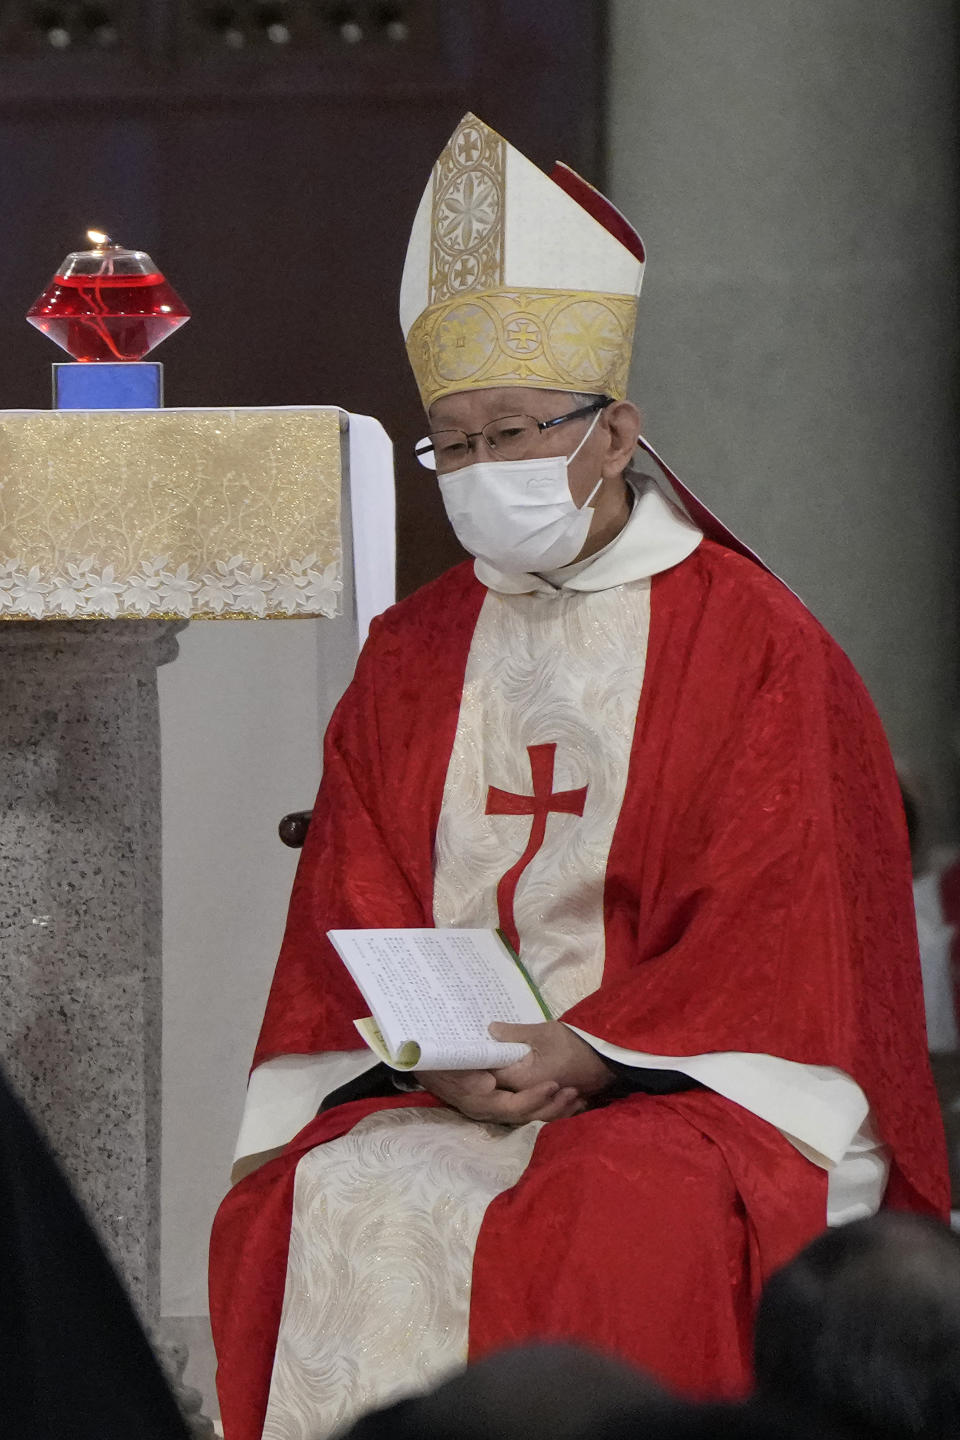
{"x": 557, "y": 1079}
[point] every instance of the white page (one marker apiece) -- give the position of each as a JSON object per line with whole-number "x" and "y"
{"x": 441, "y": 989}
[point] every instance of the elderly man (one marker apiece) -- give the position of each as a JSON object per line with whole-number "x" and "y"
{"x": 632, "y": 749}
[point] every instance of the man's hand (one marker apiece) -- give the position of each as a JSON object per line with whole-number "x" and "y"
{"x": 556, "y": 1054}
{"x": 475, "y": 1094}
{"x": 557, "y": 1079}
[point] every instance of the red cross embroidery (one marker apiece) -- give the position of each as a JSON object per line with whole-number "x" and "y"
{"x": 540, "y": 804}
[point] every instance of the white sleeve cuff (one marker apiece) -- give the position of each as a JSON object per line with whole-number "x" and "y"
{"x": 818, "y": 1105}
{"x": 285, "y": 1094}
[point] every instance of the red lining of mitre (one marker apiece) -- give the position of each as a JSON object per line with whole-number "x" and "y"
{"x": 597, "y": 205}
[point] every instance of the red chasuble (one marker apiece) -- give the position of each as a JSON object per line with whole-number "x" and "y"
{"x": 757, "y": 898}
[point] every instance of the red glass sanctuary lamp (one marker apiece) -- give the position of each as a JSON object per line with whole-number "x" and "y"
{"x": 108, "y": 303}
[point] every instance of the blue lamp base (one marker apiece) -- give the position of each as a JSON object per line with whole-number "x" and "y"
{"x": 103, "y": 385}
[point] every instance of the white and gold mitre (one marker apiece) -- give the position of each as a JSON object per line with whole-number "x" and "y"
{"x": 514, "y": 277}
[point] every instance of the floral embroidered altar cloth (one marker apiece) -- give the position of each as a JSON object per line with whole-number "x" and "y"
{"x": 202, "y": 514}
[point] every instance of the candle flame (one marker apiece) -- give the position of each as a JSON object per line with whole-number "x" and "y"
{"x": 99, "y": 237}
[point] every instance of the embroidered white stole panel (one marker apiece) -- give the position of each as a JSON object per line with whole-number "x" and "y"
{"x": 565, "y": 670}
{"x": 377, "y": 1298}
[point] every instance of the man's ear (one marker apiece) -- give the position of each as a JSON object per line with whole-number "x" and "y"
{"x": 622, "y": 424}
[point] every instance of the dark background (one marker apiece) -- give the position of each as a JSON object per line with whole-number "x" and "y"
{"x": 270, "y": 157}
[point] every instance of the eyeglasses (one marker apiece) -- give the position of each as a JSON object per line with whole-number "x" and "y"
{"x": 512, "y": 437}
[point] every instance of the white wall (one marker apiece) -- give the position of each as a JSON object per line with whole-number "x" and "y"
{"x": 792, "y": 169}
{"x": 241, "y": 727}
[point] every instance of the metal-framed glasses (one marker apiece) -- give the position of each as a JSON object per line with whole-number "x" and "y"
{"x": 512, "y": 437}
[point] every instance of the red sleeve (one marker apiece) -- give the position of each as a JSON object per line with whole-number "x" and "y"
{"x": 368, "y": 857}
{"x": 775, "y": 904}
{"x": 350, "y": 875}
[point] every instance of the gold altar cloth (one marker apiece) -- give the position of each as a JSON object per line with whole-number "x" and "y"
{"x": 203, "y": 514}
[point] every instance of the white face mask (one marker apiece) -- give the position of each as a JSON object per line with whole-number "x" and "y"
{"x": 519, "y": 515}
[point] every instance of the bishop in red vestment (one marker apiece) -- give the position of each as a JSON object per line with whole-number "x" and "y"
{"x": 636, "y": 751}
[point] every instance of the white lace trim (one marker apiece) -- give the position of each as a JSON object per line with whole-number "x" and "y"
{"x": 231, "y": 587}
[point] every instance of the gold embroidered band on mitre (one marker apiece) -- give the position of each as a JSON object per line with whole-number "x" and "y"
{"x": 544, "y": 339}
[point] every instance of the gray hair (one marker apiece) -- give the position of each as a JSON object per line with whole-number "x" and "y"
{"x": 583, "y": 397}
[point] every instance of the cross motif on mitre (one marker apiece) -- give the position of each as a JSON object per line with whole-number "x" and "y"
{"x": 539, "y": 805}
{"x": 468, "y": 146}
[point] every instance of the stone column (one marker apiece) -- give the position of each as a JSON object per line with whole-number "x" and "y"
{"x": 80, "y": 941}
{"x": 792, "y": 169}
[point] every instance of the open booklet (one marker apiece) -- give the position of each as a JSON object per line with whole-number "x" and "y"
{"x": 433, "y": 993}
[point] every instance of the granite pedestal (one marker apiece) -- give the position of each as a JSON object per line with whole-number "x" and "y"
{"x": 80, "y": 913}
